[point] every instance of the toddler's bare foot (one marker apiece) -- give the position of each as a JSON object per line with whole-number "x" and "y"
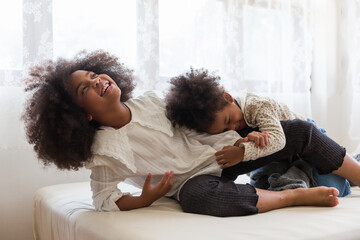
{"x": 317, "y": 196}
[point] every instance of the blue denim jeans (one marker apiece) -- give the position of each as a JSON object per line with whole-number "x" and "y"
{"x": 331, "y": 180}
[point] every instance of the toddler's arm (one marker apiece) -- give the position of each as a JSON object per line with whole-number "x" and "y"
{"x": 263, "y": 114}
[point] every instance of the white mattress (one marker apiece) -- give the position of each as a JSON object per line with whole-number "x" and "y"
{"x": 65, "y": 212}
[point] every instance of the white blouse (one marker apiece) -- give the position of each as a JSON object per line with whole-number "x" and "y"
{"x": 266, "y": 114}
{"x": 149, "y": 143}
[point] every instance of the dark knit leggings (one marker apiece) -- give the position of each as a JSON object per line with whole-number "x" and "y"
{"x": 220, "y": 196}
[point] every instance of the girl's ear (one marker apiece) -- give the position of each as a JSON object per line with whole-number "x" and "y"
{"x": 228, "y": 97}
{"x": 89, "y": 117}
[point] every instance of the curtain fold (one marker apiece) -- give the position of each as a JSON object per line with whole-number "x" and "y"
{"x": 37, "y": 45}
{"x": 267, "y": 49}
{"x": 335, "y": 74}
{"x": 349, "y": 75}
{"x": 147, "y": 68}
{"x": 37, "y": 31}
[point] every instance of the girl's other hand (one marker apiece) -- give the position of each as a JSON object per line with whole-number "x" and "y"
{"x": 152, "y": 193}
{"x": 230, "y": 156}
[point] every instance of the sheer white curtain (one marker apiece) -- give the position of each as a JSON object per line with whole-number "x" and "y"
{"x": 264, "y": 46}
{"x": 26, "y": 38}
{"x": 336, "y": 70}
{"x": 349, "y": 73}
{"x": 268, "y": 48}
{"x": 353, "y": 51}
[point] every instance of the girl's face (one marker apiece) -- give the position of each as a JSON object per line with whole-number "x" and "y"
{"x": 97, "y": 94}
{"x": 229, "y": 118}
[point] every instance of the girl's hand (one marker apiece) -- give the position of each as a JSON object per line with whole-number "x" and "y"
{"x": 230, "y": 156}
{"x": 261, "y": 139}
{"x": 150, "y": 193}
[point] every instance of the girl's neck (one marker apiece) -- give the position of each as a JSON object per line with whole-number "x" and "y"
{"x": 119, "y": 118}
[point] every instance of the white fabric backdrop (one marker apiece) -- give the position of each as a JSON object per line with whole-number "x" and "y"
{"x": 335, "y": 73}
{"x": 348, "y": 83}
{"x": 265, "y": 46}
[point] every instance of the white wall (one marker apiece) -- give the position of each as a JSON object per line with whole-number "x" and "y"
{"x": 21, "y": 174}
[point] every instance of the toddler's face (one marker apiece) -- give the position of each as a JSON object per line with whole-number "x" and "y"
{"x": 96, "y": 94}
{"x": 229, "y": 118}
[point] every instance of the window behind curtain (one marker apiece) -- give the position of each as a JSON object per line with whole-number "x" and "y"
{"x": 191, "y": 34}
{"x": 90, "y": 24}
{"x": 10, "y": 41}
{"x": 259, "y": 45}
{"x": 11, "y": 35}
{"x": 11, "y": 66}
{"x": 262, "y": 47}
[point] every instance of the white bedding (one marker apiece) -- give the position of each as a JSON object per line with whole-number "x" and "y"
{"x": 65, "y": 212}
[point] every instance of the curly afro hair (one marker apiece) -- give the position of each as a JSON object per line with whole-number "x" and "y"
{"x": 194, "y": 98}
{"x": 55, "y": 125}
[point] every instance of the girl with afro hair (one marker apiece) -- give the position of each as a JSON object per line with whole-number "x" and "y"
{"x": 81, "y": 113}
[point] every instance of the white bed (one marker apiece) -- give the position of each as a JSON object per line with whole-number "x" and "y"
{"x": 65, "y": 212}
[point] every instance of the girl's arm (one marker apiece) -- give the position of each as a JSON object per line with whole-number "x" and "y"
{"x": 216, "y": 141}
{"x": 108, "y": 197}
{"x": 232, "y": 155}
{"x": 104, "y": 187}
{"x": 149, "y": 193}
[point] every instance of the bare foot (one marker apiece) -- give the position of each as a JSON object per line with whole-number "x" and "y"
{"x": 317, "y": 196}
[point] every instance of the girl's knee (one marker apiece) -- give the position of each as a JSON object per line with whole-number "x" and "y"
{"x": 199, "y": 195}
{"x": 216, "y": 196}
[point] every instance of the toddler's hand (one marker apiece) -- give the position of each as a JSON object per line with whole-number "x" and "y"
{"x": 261, "y": 139}
{"x": 241, "y": 140}
{"x": 229, "y": 156}
{"x": 152, "y": 193}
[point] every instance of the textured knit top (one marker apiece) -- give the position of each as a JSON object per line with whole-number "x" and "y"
{"x": 266, "y": 114}
{"x": 149, "y": 143}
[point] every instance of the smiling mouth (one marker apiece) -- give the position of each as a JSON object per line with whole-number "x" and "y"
{"x": 104, "y": 88}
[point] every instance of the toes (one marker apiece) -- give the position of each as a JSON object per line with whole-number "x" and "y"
{"x": 334, "y": 191}
{"x": 334, "y": 201}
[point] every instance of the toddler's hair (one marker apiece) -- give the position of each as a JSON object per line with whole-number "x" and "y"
{"x": 55, "y": 125}
{"x": 194, "y": 98}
